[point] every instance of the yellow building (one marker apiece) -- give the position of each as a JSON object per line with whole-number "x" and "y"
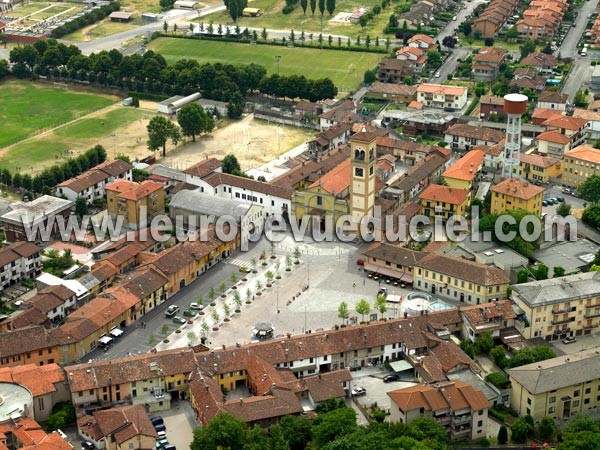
{"x": 559, "y": 307}
{"x": 579, "y": 164}
{"x": 559, "y": 387}
{"x": 138, "y": 203}
{"x": 512, "y": 194}
{"x": 459, "y": 279}
{"x": 463, "y": 172}
{"x": 443, "y": 201}
{"x": 540, "y": 168}
{"x": 325, "y": 199}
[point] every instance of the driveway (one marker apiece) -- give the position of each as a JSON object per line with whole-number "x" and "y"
{"x": 371, "y": 378}
{"x": 180, "y": 421}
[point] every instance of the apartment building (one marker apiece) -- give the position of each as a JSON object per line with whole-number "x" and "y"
{"x": 91, "y": 183}
{"x": 393, "y": 70}
{"x": 442, "y": 96}
{"x": 444, "y": 202}
{"x": 487, "y": 62}
{"x": 137, "y": 203}
{"x": 540, "y": 168}
{"x": 391, "y": 261}
{"x": 560, "y": 307}
{"x": 123, "y": 428}
{"x": 462, "y": 136}
{"x": 512, "y": 194}
{"x": 54, "y": 302}
{"x": 559, "y": 387}
{"x": 494, "y": 17}
{"x": 459, "y": 279}
{"x": 579, "y": 164}
{"x": 455, "y": 405}
{"x": 462, "y": 173}
{"x": 151, "y": 380}
{"x": 563, "y": 133}
{"x": 19, "y": 261}
{"x": 593, "y": 118}
{"x": 493, "y": 318}
{"x": 29, "y": 221}
{"x": 493, "y": 155}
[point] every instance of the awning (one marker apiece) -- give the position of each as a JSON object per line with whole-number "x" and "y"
{"x": 116, "y": 332}
{"x": 105, "y": 340}
{"x": 400, "y": 366}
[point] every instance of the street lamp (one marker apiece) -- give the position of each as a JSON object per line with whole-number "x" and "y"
{"x": 278, "y": 58}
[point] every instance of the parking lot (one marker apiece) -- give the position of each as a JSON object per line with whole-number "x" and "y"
{"x": 371, "y": 378}
{"x": 180, "y": 421}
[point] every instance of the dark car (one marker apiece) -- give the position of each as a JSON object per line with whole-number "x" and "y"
{"x": 560, "y": 199}
{"x": 160, "y": 427}
{"x": 87, "y": 445}
{"x": 390, "y": 378}
{"x": 169, "y": 447}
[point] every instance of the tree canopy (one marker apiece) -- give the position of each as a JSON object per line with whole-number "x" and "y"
{"x": 193, "y": 120}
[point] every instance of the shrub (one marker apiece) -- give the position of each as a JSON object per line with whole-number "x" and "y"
{"x": 177, "y": 331}
{"x": 484, "y": 442}
{"x": 496, "y": 414}
{"x": 166, "y": 341}
{"x": 498, "y": 379}
{"x": 287, "y": 9}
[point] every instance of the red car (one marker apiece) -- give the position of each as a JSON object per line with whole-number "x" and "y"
{"x": 360, "y": 262}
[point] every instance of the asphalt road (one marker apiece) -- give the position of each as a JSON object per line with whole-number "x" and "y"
{"x": 450, "y": 64}
{"x": 580, "y": 76}
{"x": 568, "y": 47}
{"x": 461, "y": 16}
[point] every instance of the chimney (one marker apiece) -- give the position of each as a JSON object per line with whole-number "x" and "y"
{"x": 223, "y": 346}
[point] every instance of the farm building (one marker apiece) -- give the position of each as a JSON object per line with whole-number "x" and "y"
{"x": 174, "y": 104}
{"x": 120, "y": 16}
{"x": 186, "y": 4}
{"x": 252, "y": 12}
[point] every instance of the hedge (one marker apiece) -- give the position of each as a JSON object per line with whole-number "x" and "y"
{"x": 496, "y": 414}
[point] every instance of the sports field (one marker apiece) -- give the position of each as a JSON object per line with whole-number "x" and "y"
{"x": 346, "y": 69}
{"x": 27, "y": 108}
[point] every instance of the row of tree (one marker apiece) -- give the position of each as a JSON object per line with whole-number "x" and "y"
{"x": 89, "y": 18}
{"x": 150, "y": 73}
{"x": 297, "y": 86}
{"x": 43, "y": 182}
{"x": 334, "y": 428}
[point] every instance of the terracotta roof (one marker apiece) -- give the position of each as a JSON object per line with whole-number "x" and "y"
{"x": 545, "y": 113}
{"x": 463, "y": 269}
{"x": 592, "y": 116}
{"x": 553, "y": 97}
{"x": 566, "y": 122}
{"x": 553, "y": 136}
{"x": 445, "y": 194}
{"x": 31, "y": 436}
{"x": 203, "y": 168}
{"x": 422, "y": 37}
{"x": 484, "y": 314}
{"x": 25, "y": 340}
{"x": 217, "y": 179}
{"x": 517, "y": 188}
{"x": 144, "y": 281}
{"x": 393, "y": 88}
{"x": 117, "y": 371}
{"x": 394, "y": 254}
{"x": 97, "y": 174}
{"x": 18, "y": 250}
{"x": 415, "y": 105}
{"x": 453, "y": 395}
{"x": 124, "y": 423}
{"x": 123, "y": 255}
{"x": 585, "y": 153}
{"x": 400, "y": 65}
{"x": 491, "y": 100}
{"x": 131, "y": 190}
{"x": 29, "y": 317}
{"x": 491, "y": 55}
{"x": 337, "y": 180}
{"x": 365, "y": 136}
{"x": 467, "y": 167}
{"x": 491, "y": 150}
{"x": 114, "y": 167}
{"x": 39, "y": 380}
{"x": 430, "y": 88}
{"x": 475, "y": 132}
{"x": 444, "y": 357}
{"x": 422, "y": 170}
{"x": 538, "y": 160}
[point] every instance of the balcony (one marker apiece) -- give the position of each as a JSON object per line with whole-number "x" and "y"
{"x": 561, "y": 321}
{"x": 443, "y": 420}
{"x": 597, "y": 305}
{"x": 562, "y": 311}
{"x": 559, "y": 331}
{"x": 460, "y": 433}
{"x": 461, "y": 420}
{"x": 591, "y": 315}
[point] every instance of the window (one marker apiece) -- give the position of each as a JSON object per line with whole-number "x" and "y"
{"x": 359, "y": 172}
{"x": 588, "y": 390}
{"x": 480, "y": 423}
{"x": 319, "y": 201}
{"x": 586, "y": 401}
{"x": 575, "y": 403}
{"x": 551, "y": 410}
{"x": 576, "y": 393}
{"x": 528, "y": 401}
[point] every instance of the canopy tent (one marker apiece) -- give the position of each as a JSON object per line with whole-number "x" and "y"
{"x": 104, "y": 340}
{"x": 115, "y": 332}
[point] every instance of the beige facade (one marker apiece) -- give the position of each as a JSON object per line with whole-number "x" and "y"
{"x": 560, "y": 307}
{"x": 579, "y": 164}
{"x": 363, "y": 151}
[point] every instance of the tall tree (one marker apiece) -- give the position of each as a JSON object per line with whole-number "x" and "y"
{"x": 230, "y": 164}
{"x": 233, "y": 8}
{"x": 363, "y": 308}
{"x": 160, "y": 130}
{"x": 330, "y": 7}
{"x": 313, "y": 6}
{"x": 343, "y": 312}
{"x": 304, "y": 5}
{"x": 193, "y": 119}
{"x": 322, "y": 6}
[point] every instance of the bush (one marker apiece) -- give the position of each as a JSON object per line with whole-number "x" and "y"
{"x": 287, "y": 9}
{"x": 498, "y": 379}
{"x": 484, "y": 442}
{"x": 496, "y": 414}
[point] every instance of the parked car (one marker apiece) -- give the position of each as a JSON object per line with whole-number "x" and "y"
{"x": 157, "y": 420}
{"x": 437, "y": 75}
{"x": 569, "y": 340}
{"x": 360, "y": 262}
{"x": 196, "y": 306}
{"x": 358, "y": 391}
{"x": 161, "y": 435}
{"x": 172, "y": 310}
{"x": 179, "y": 319}
{"x": 189, "y": 313}
{"x": 560, "y": 199}
{"x": 169, "y": 447}
{"x": 544, "y": 202}
{"x": 566, "y": 191}
{"x": 390, "y": 378}
{"x": 87, "y": 445}
{"x": 161, "y": 443}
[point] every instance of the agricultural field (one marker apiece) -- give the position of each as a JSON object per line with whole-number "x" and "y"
{"x": 346, "y": 69}
{"x": 273, "y": 18}
{"x": 104, "y": 28}
{"x": 52, "y": 107}
{"x": 34, "y": 12}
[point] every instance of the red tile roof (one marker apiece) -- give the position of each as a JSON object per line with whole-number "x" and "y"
{"x": 131, "y": 190}
{"x": 337, "y": 180}
{"x": 517, "y": 188}
{"x": 437, "y": 193}
{"x": 467, "y": 167}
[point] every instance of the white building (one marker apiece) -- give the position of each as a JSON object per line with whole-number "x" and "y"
{"x": 18, "y": 262}
{"x": 174, "y": 104}
{"x": 441, "y": 96}
{"x": 90, "y": 184}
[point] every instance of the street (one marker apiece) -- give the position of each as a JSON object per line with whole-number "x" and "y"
{"x": 579, "y": 78}
{"x": 568, "y": 47}
{"x": 462, "y": 15}
{"x": 450, "y": 64}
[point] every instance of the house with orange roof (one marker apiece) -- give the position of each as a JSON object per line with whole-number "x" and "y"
{"x": 494, "y": 17}
{"x": 26, "y": 434}
{"x": 540, "y": 115}
{"x": 593, "y": 118}
{"x": 137, "y": 203}
{"x": 456, "y": 405}
{"x": 463, "y": 173}
{"x": 487, "y": 62}
{"x": 442, "y": 96}
{"x": 422, "y": 41}
{"x": 416, "y": 56}
{"x": 579, "y": 164}
{"x": 541, "y": 168}
{"x": 512, "y": 194}
{"x": 443, "y": 202}
{"x": 562, "y": 134}
{"x": 326, "y": 197}
{"x": 462, "y": 136}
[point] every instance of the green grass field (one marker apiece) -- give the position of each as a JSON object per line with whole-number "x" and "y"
{"x": 27, "y": 108}
{"x": 274, "y": 19}
{"x": 346, "y": 69}
{"x": 99, "y": 30}
{"x": 81, "y": 135}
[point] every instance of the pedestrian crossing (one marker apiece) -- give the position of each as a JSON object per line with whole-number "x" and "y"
{"x": 239, "y": 262}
